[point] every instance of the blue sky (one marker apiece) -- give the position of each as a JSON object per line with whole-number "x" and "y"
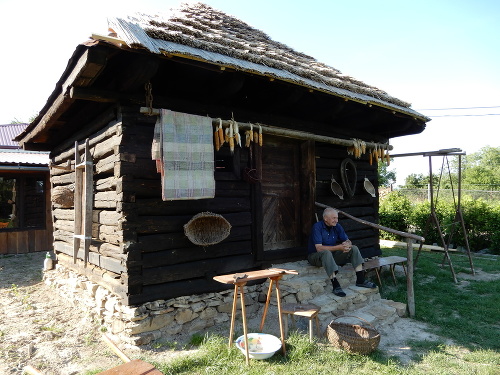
{"x": 433, "y": 54}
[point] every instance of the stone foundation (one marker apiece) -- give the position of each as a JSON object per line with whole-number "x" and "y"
{"x": 139, "y": 325}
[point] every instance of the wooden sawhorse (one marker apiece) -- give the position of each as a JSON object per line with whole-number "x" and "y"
{"x": 239, "y": 280}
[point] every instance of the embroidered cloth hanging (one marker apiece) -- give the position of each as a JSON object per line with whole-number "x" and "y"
{"x": 184, "y": 153}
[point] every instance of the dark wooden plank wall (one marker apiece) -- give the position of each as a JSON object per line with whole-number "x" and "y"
{"x": 162, "y": 262}
{"x": 361, "y": 205}
{"x": 138, "y": 239}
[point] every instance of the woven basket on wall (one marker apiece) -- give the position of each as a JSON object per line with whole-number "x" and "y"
{"x": 62, "y": 196}
{"x": 207, "y": 228}
{"x": 353, "y": 337}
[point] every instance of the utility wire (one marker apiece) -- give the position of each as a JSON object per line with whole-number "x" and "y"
{"x": 486, "y": 114}
{"x": 447, "y": 109}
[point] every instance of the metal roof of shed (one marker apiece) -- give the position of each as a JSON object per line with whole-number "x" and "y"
{"x": 8, "y": 132}
{"x": 24, "y": 157}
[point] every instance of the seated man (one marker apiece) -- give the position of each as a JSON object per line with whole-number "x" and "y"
{"x": 329, "y": 247}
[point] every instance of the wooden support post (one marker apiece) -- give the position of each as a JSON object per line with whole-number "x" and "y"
{"x": 83, "y": 201}
{"x": 409, "y": 278}
{"x": 78, "y": 204}
{"x": 88, "y": 201}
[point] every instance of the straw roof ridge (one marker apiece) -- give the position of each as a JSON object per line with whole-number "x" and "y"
{"x": 201, "y": 27}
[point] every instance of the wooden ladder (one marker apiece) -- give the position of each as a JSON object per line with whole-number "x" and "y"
{"x": 84, "y": 191}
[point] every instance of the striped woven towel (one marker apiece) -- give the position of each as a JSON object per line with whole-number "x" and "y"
{"x": 184, "y": 153}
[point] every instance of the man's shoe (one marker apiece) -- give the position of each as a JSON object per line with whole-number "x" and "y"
{"x": 366, "y": 284}
{"x": 339, "y": 292}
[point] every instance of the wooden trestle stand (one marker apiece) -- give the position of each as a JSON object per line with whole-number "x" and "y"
{"x": 239, "y": 280}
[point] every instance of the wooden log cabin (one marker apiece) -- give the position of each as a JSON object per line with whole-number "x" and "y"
{"x": 317, "y": 125}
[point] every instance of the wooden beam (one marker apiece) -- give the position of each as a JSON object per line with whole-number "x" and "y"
{"x": 101, "y": 96}
{"x": 376, "y": 226}
{"x": 296, "y": 134}
{"x": 88, "y": 67}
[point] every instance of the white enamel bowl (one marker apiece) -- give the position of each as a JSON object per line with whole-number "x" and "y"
{"x": 260, "y": 345}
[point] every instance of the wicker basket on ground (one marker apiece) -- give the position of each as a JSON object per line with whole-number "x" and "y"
{"x": 207, "y": 228}
{"x": 354, "y": 338}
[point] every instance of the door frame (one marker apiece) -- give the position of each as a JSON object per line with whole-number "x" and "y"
{"x": 307, "y": 182}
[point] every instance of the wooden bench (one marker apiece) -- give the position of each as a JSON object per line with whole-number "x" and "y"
{"x": 377, "y": 263}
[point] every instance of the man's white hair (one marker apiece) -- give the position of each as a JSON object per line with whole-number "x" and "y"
{"x": 329, "y": 211}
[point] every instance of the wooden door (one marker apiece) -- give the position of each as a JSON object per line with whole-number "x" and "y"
{"x": 281, "y": 193}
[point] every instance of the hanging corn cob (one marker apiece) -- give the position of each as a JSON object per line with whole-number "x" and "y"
{"x": 261, "y": 140}
{"x": 221, "y": 133}
{"x": 247, "y": 138}
{"x": 251, "y": 133}
{"x": 237, "y": 134}
{"x": 216, "y": 138}
{"x": 375, "y": 154}
{"x": 231, "y": 137}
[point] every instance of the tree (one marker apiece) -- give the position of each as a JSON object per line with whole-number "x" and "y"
{"x": 385, "y": 177}
{"x": 416, "y": 181}
{"x": 481, "y": 170}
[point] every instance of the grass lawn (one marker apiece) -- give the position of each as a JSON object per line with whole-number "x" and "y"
{"x": 468, "y": 313}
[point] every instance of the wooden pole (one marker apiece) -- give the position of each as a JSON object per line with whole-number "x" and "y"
{"x": 31, "y": 370}
{"x": 244, "y": 318}
{"x": 409, "y": 278}
{"x": 233, "y": 314}
{"x": 295, "y": 134}
{"x": 376, "y": 226}
{"x": 88, "y": 201}
{"x": 78, "y": 204}
{"x": 115, "y": 349}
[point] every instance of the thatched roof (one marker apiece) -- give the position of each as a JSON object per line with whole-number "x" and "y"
{"x": 203, "y": 33}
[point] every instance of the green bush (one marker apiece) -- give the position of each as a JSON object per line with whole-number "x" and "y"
{"x": 481, "y": 218}
{"x": 394, "y": 212}
{"x": 477, "y": 214}
{"x": 494, "y": 228}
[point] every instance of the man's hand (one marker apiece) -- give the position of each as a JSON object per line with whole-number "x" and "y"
{"x": 347, "y": 245}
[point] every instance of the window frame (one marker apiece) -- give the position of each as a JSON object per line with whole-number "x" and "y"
{"x": 21, "y": 199}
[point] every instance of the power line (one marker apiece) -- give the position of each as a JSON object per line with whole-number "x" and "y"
{"x": 486, "y": 114}
{"x": 447, "y": 109}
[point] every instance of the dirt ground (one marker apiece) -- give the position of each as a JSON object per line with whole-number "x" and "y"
{"x": 41, "y": 329}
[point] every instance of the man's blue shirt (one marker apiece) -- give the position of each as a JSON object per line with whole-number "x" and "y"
{"x": 325, "y": 235}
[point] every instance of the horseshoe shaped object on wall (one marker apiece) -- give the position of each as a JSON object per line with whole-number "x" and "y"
{"x": 349, "y": 176}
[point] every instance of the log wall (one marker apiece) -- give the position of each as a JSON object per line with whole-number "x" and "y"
{"x": 107, "y": 261}
{"x": 163, "y": 263}
{"x": 139, "y": 249}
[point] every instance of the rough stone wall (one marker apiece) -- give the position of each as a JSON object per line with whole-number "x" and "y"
{"x": 139, "y": 325}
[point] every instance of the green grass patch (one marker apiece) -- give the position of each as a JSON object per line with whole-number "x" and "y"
{"x": 466, "y": 312}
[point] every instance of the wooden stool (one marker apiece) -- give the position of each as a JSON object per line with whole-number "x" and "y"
{"x": 309, "y": 311}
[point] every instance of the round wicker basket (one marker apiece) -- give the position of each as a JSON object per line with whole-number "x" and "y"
{"x": 353, "y": 338}
{"x": 207, "y": 228}
{"x": 62, "y": 196}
